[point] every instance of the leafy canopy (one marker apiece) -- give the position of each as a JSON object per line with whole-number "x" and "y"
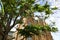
{"x": 12, "y": 9}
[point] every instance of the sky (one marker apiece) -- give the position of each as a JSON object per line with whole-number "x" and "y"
{"x": 55, "y": 17}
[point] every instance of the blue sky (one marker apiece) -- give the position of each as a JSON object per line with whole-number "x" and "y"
{"x": 55, "y": 17}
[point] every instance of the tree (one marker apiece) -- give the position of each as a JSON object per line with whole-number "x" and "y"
{"x": 12, "y": 9}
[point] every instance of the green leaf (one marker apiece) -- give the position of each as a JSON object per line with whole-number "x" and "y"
{"x": 46, "y": 5}
{"x": 54, "y": 29}
{"x": 54, "y": 8}
{"x": 31, "y": 1}
{"x": 48, "y": 28}
{"x": 39, "y": 8}
{"x": 48, "y": 11}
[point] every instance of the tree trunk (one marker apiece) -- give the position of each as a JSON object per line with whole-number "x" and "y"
{"x": 1, "y": 37}
{"x": 4, "y": 37}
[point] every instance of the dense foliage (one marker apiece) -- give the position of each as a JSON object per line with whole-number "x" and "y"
{"x": 35, "y": 30}
{"x": 12, "y": 9}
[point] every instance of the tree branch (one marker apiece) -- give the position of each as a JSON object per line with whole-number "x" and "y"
{"x": 9, "y": 28}
{"x": 14, "y": 22}
{"x": 9, "y": 21}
